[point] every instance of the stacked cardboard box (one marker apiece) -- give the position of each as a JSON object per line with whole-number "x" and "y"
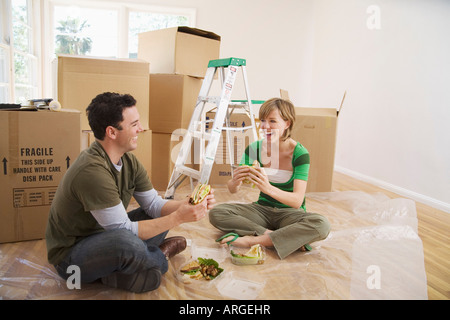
{"x": 79, "y": 79}
{"x": 36, "y": 149}
{"x": 179, "y": 50}
{"x": 178, "y": 60}
{"x": 142, "y": 152}
{"x": 239, "y": 140}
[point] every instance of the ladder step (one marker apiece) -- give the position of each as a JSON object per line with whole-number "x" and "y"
{"x": 238, "y": 102}
{"x": 209, "y": 99}
{"x": 188, "y": 172}
{"x": 227, "y": 62}
{"x": 237, "y": 128}
{"x": 199, "y": 135}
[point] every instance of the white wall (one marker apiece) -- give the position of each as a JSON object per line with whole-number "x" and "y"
{"x": 274, "y": 36}
{"x": 394, "y": 127}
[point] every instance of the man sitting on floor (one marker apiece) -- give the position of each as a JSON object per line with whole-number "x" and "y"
{"x": 88, "y": 223}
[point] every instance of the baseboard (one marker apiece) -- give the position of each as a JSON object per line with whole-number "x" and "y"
{"x": 443, "y": 206}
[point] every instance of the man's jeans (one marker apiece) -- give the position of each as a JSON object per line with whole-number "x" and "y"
{"x": 119, "y": 250}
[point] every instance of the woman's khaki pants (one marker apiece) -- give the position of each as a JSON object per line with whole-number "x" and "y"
{"x": 292, "y": 228}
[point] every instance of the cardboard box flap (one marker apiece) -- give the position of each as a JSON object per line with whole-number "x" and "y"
{"x": 199, "y": 32}
{"x": 284, "y": 94}
{"x": 42, "y": 110}
{"x": 342, "y": 103}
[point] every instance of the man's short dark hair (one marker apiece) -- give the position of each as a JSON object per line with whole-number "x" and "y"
{"x": 106, "y": 110}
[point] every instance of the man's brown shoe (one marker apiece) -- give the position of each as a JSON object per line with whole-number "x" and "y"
{"x": 172, "y": 246}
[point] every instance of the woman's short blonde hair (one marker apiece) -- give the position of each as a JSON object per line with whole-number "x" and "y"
{"x": 286, "y": 110}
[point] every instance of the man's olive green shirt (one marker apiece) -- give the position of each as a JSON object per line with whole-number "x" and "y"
{"x": 91, "y": 183}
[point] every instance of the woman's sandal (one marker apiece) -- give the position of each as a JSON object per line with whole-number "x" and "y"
{"x": 235, "y": 235}
{"x": 231, "y": 234}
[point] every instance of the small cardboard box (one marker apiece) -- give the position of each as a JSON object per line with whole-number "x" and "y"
{"x": 165, "y": 149}
{"x": 180, "y": 50}
{"x": 36, "y": 149}
{"x": 172, "y": 101}
{"x": 143, "y": 151}
{"x": 221, "y": 171}
{"x": 80, "y": 79}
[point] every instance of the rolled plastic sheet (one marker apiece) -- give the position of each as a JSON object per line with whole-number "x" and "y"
{"x": 54, "y": 105}
{"x": 372, "y": 252}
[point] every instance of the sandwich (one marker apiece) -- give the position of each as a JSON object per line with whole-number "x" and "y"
{"x": 199, "y": 194}
{"x": 255, "y": 165}
{"x": 191, "y": 271}
{"x": 201, "y": 268}
{"x": 256, "y": 255}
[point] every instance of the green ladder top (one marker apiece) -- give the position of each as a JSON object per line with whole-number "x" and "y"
{"x": 253, "y": 101}
{"x": 227, "y": 62}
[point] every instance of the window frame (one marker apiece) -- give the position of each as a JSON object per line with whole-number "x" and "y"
{"x": 33, "y": 55}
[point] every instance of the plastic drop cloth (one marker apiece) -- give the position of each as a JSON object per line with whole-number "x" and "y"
{"x": 372, "y": 252}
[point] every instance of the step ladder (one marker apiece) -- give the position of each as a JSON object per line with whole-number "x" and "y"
{"x": 228, "y": 69}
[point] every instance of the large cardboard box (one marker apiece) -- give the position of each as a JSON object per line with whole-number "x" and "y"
{"x": 172, "y": 101}
{"x": 180, "y": 50}
{"x": 81, "y": 78}
{"x": 143, "y": 151}
{"x": 36, "y": 149}
{"x": 165, "y": 149}
{"x": 315, "y": 129}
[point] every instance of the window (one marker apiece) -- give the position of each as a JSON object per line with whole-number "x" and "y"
{"x": 85, "y": 31}
{"x": 108, "y": 29}
{"x": 147, "y": 21}
{"x": 96, "y": 28}
{"x": 18, "y": 52}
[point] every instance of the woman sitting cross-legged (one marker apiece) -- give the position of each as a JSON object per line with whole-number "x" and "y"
{"x": 279, "y": 218}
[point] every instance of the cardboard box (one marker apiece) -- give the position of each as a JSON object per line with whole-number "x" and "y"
{"x": 143, "y": 151}
{"x": 172, "y": 101}
{"x": 165, "y": 149}
{"x": 80, "y": 79}
{"x": 180, "y": 50}
{"x": 36, "y": 148}
{"x": 315, "y": 129}
{"x": 221, "y": 171}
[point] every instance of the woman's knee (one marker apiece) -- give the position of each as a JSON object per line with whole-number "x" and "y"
{"x": 215, "y": 215}
{"x": 323, "y": 226}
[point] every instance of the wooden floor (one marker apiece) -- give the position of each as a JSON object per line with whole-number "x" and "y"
{"x": 433, "y": 229}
